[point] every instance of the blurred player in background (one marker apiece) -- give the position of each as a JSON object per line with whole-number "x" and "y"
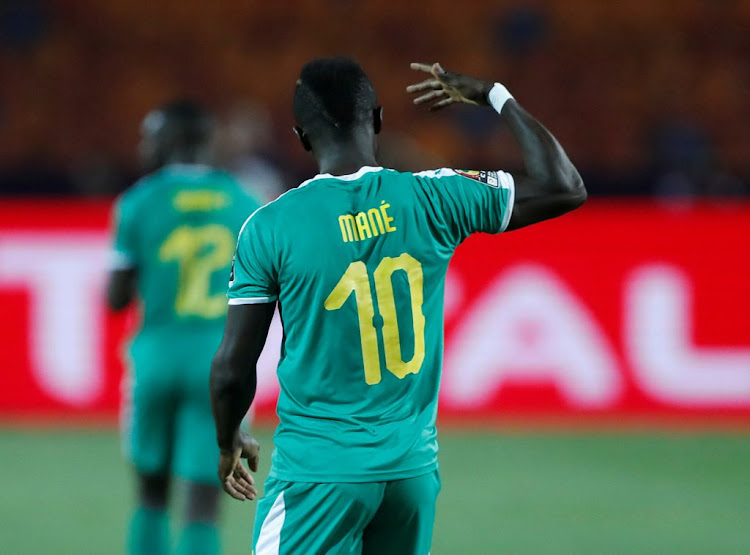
{"x": 356, "y": 258}
{"x": 175, "y": 236}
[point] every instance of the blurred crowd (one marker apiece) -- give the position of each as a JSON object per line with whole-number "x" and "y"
{"x": 649, "y": 98}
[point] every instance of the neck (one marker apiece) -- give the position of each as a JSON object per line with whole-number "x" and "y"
{"x": 344, "y": 165}
{"x": 189, "y": 156}
{"x": 345, "y": 157}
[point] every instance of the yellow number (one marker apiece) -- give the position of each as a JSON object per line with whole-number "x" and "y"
{"x": 356, "y": 280}
{"x": 387, "y": 305}
{"x": 199, "y": 252}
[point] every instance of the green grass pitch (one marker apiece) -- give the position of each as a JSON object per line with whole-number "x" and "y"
{"x": 69, "y": 492}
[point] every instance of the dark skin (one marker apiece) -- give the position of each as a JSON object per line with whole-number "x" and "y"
{"x": 550, "y": 187}
{"x": 233, "y": 382}
{"x": 342, "y": 153}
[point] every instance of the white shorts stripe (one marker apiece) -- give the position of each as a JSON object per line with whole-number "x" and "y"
{"x": 269, "y": 538}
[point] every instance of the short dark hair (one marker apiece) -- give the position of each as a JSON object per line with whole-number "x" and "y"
{"x": 183, "y": 122}
{"x": 333, "y": 93}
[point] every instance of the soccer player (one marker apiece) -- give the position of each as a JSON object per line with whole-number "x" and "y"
{"x": 175, "y": 236}
{"x": 356, "y": 258}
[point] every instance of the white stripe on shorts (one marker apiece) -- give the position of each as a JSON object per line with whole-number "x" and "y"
{"x": 270, "y": 531}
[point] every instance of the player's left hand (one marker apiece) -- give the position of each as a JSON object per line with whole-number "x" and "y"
{"x": 448, "y": 87}
{"x": 235, "y": 478}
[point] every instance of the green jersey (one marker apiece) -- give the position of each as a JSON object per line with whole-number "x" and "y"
{"x": 178, "y": 226}
{"x": 357, "y": 264}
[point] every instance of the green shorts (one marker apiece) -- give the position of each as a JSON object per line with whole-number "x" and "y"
{"x": 166, "y": 420}
{"x": 392, "y": 518}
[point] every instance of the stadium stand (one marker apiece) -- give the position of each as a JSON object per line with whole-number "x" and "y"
{"x": 633, "y": 87}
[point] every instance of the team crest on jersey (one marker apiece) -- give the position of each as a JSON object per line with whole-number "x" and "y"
{"x": 488, "y": 178}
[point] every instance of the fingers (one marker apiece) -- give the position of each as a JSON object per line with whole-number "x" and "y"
{"x": 244, "y": 482}
{"x": 240, "y": 484}
{"x": 424, "y": 86}
{"x": 435, "y": 69}
{"x": 252, "y": 454}
{"x": 250, "y": 447}
{"x": 242, "y": 473}
{"x": 229, "y": 487}
{"x": 437, "y": 84}
{"x": 239, "y": 490}
{"x": 442, "y": 104}
{"x": 253, "y": 463}
{"x": 235, "y": 479}
{"x": 245, "y": 488}
{"x": 427, "y": 68}
{"x": 429, "y": 96}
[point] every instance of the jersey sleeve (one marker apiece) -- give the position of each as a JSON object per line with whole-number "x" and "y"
{"x": 470, "y": 201}
{"x": 254, "y": 275}
{"x": 124, "y": 253}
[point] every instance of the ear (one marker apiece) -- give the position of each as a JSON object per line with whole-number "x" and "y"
{"x": 302, "y": 138}
{"x": 377, "y": 119}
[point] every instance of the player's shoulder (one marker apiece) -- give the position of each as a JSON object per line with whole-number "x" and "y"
{"x": 446, "y": 176}
{"x": 280, "y": 209}
{"x": 222, "y": 179}
{"x": 264, "y": 217}
{"x": 139, "y": 190}
{"x": 270, "y": 212}
{"x": 164, "y": 177}
{"x": 438, "y": 175}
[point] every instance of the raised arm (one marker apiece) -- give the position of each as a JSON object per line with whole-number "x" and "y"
{"x": 232, "y": 384}
{"x": 551, "y": 185}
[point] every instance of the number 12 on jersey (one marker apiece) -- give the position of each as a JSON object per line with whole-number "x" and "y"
{"x": 356, "y": 280}
{"x": 199, "y": 252}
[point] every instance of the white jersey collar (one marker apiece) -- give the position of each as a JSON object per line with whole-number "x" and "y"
{"x": 348, "y": 177}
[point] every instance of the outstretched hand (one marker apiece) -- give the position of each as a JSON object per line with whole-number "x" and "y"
{"x": 234, "y": 477}
{"x": 447, "y": 87}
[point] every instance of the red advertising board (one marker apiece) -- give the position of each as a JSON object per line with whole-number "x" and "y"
{"x": 621, "y": 309}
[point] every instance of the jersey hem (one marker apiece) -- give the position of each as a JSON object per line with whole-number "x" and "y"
{"x": 353, "y": 478}
{"x": 251, "y": 300}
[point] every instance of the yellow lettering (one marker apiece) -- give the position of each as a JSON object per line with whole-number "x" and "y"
{"x": 348, "y": 228}
{"x": 386, "y": 218}
{"x": 363, "y": 227}
{"x": 374, "y": 215}
{"x": 200, "y": 201}
{"x": 366, "y": 225}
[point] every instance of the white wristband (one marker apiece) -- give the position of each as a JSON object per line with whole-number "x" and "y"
{"x": 498, "y": 96}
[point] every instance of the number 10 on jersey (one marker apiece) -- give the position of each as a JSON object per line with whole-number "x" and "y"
{"x": 356, "y": 280}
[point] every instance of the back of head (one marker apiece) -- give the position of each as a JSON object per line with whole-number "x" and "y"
{"x": 333, "y": 95}
{"x": 179, "y": 131}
